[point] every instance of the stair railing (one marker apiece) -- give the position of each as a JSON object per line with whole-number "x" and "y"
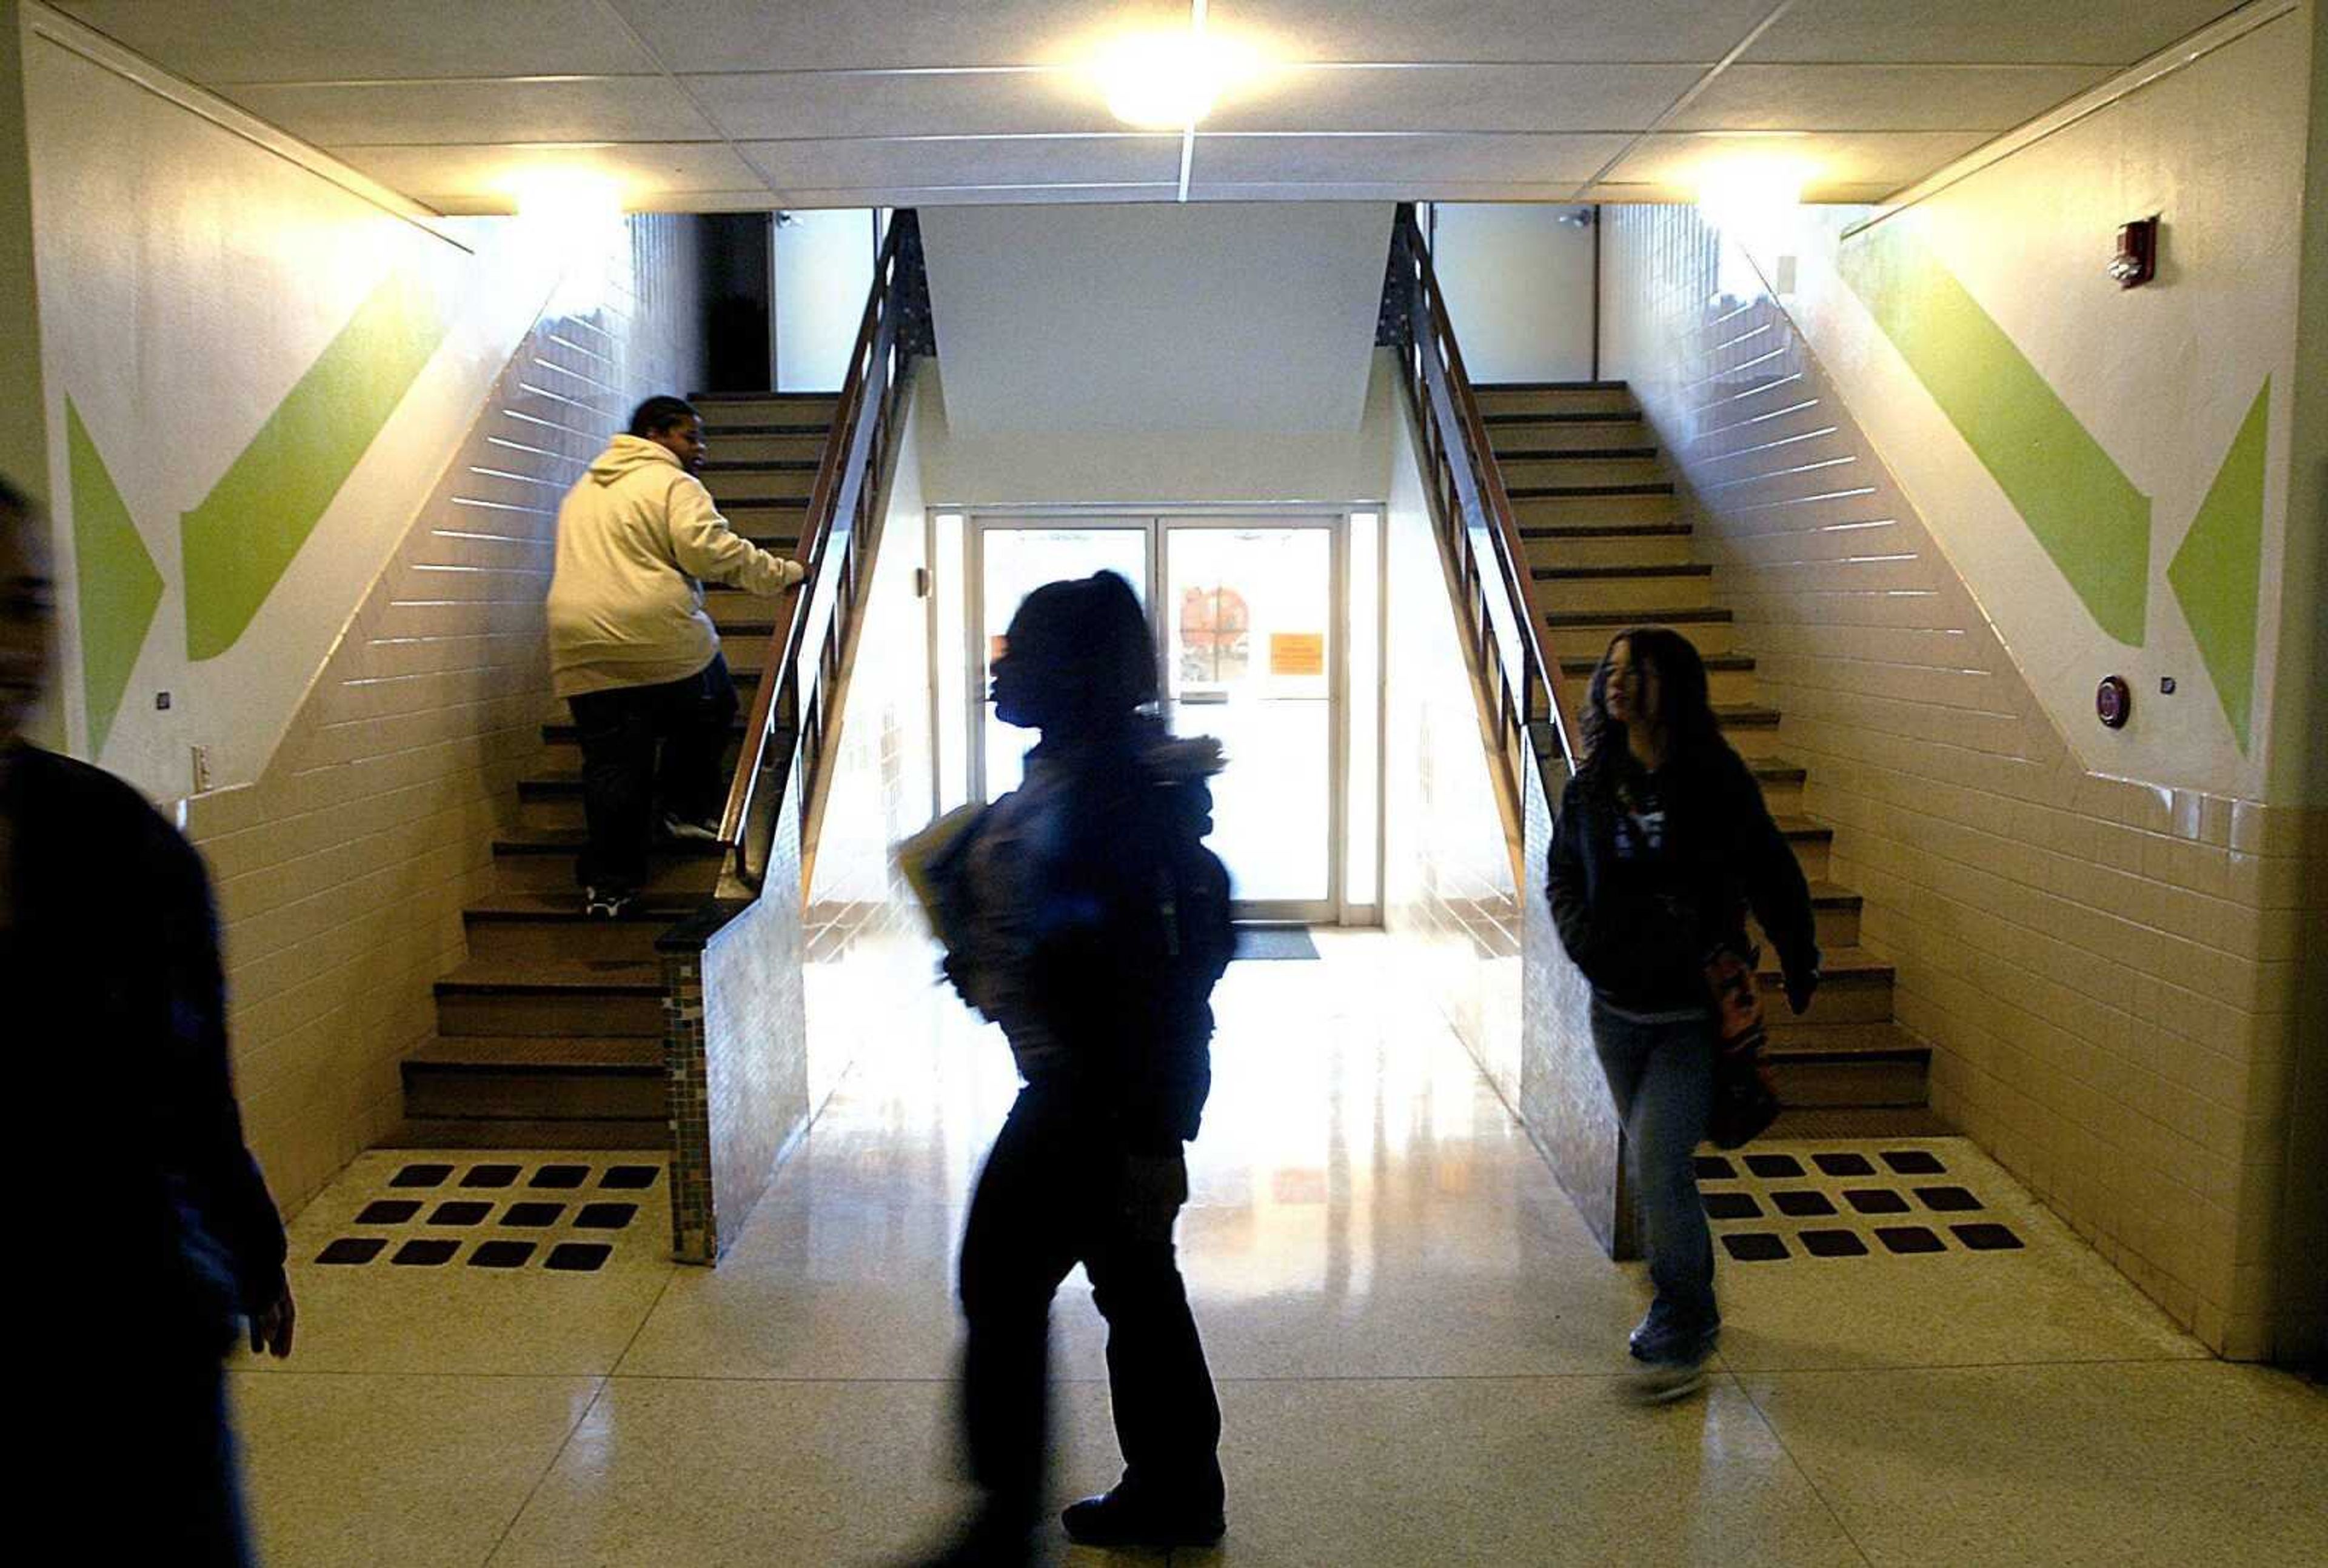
{"x": 1533, "y": 715}
{"x": 797, "y": 698}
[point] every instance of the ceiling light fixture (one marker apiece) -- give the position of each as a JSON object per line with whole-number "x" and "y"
{"x": 1169, "y": 81}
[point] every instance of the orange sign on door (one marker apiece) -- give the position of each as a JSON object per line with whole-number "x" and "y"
{"x": 1296, "y": 652}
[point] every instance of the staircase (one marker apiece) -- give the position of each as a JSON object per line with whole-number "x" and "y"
{"x": 551, "y": 1035}
{"x": 1610, "y": 548}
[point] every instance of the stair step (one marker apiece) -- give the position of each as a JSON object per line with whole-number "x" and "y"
{"x": 542, "y": 861}
{"x": 1856, "y": 988}
{"x": 534, "y": 924}
{"x": 1862, "y": 1065}
{"x": 716, "y": 425}
{"x": 1606, "y": 573}
{"x": 551, "y": 1078}
{"x": 597, "y": 1133}
{"x": 1617, "y": 620}
{"x": 760, "y": 465}
{"x": 1558, "y": 531}
{"x": 1560, "y": 491}
{"x": 1745, "y": 715}
{"x": 1813, "y": 841}
{"x": 569, "y": 842}
{"x": 553, "y": 997}
{"x": 1501, "y": 420}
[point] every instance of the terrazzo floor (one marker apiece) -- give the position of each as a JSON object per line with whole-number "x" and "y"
{"x": 1420, "y": 1349}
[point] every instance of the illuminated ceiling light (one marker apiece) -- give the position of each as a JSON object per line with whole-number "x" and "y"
{"x": 1169, "y": 81}
{"x": 1753, "y": 194}
{"x": 566, "y": 199}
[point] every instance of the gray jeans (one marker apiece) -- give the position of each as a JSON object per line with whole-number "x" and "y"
{"x": 1661, "y": 1076}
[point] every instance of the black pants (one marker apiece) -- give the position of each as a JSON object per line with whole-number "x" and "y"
{"x": 1051, "y": 1197}
{"x": 620, "y": 786}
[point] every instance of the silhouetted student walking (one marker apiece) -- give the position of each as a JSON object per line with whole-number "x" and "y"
{"x": 151, "y": 1231}
{"x": 1662, "y": 843}
{"x": 1082, "y": 913}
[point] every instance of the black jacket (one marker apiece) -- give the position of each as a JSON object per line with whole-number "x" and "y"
{"x": 1642, "y": 942}
{"x": 111, "y": 971}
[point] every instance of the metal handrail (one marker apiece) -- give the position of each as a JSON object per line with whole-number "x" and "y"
{"x": 788, "y": 714}
{"x": 1507, "y": 625}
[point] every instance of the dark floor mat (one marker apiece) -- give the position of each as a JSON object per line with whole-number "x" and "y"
{"x": 1275, "y": 943}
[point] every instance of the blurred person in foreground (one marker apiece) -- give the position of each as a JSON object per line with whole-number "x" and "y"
{"x": 1082, "y": 913}
{"x": 164, "y": 1235}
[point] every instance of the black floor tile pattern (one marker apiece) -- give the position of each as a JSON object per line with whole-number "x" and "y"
{"x": 1832, "y": 1243}
{"x": 352, "y": 1250}
{"x": 1737, "y": 1204}
{"x": 425, "y": 1254}
{"x": 532, "y": 1215}
{"x": 501, "y": 1254}
{"x": 1987, "y": 1237}
{"x": 1909, "y": 1238}
{"x": 524, "y": 1214}
{"x": 1802, "y": 1203}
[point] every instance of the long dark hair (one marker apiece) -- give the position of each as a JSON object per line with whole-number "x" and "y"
{"x": 1087, "y": 642}
{"x": 1693, "y": 734}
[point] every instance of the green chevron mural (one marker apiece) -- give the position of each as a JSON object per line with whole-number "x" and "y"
{"x": 117, "y": 586}
{"x": 2080, "y": 504}
{"x": 2217, "y": 575}
{"x": 243, "y": 537}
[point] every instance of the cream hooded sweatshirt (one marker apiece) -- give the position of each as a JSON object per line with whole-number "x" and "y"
{"x": 636, "y": 539}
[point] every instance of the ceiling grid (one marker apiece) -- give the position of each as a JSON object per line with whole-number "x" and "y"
{"x": 739, "y": 105}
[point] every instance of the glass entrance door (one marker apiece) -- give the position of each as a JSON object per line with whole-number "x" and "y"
{"x": 1248, "y": 631}
{"x": 1250, "y": 656}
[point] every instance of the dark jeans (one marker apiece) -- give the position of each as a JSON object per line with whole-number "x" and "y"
{"x": 147, "y": 1443}
{"x": 1661, "y": 1076}
{"x": 620, "y": 785}
{"x": 1051, "y": 1197}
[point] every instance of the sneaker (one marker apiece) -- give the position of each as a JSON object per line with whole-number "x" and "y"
{"x": 607, "y": 903}
{"x": 1119, "y": 1519}
{"x": 1673, "y": 1359}
{"x": 684, "y": 831}
{"x": 1654, "y": 1335}
{"x": 1662, "y": 1382}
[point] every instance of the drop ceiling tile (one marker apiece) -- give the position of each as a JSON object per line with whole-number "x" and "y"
{"x": 1887, "y": 159}
{"x": 481, "y": 179}
{"x": 1382, "y": 190}
{"x": 1883, "y": 97}
{"x": 768, "y": 105}
{"x": 623, "y": 108}
{"x": 1457, "y": 98}
{"x": 1031, "y": 195}
{"x": 2051, "y": 31}
{"x": 1549, "y": 159}
{"x": 1844, "y": 193}
{"x": 233, "y": 41}
{"x": 711, "y": 35}
{"x": 1041, "y": 161}
{"x": 1549, "y": 31}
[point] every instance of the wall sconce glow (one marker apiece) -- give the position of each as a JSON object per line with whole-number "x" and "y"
{"x": 1169, "y": 81}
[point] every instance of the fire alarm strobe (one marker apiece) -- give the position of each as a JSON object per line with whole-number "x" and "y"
{"x": 2113, "y": 701}
{"x": 2137, "y": 261}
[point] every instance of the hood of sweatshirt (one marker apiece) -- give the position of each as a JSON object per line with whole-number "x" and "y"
{"x": 626, "y": 454}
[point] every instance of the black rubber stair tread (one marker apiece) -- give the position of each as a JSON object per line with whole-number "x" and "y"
{"x": 560, "y": 733}
{"x": 1572, "y": 453}
{"x": 564, "y": 909}
{"x": 1617, "y": 573}
{"x": 760, "y": 465}
{"x": 535, "y": 976}
{"x": 1849, "y": 1042}
{"x": 1562, "y": 416}
{"x": 569, "y": 842}
{"x": 594, "y": 1132}
{"x": 1776, "y": 770}
{"x": 1549, "y": 491}
{"x": 641, "y": 1055}
{"x": 1802, "y": 830}
{"x": 767, "y": 397}
{"x": 1827, "y": 895}
{"x": 1745, "y": 715}
{"x": 1605, "y": 530}
{"x": 1585, "y": 663}
{"x": 1839, "y": 966}
{"x": 1677, "y": 615}
{"x": 1548, "y": 386}
{"x": 811, "y": 427}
